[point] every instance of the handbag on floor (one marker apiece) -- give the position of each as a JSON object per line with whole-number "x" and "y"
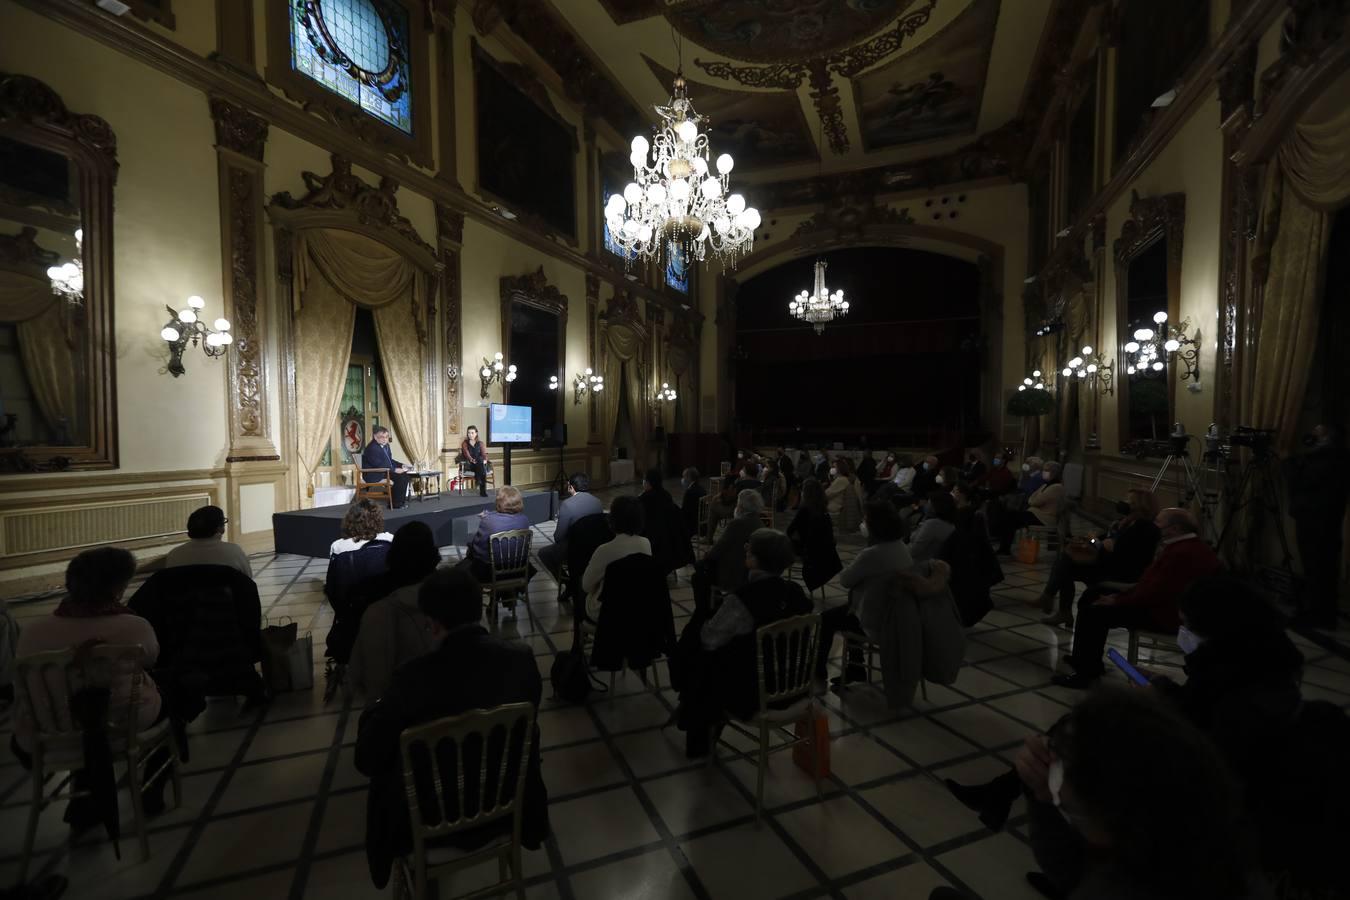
{"x": 816, "y": 729}
{"x": 288, "y": 658}
{"x": 1028, "y": 550}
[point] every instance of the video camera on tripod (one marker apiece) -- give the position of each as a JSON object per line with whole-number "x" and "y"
{"x": 1261, "y": 441}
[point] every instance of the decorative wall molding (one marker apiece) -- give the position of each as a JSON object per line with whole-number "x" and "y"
{"x": 592, "y": 355}
{"x": 450, "y": 234}
{"x": 1151, "y": 217}
{"x": 240, "y": 141}
{"x": 33, "y": 102}
{"x": 849, "y": 212}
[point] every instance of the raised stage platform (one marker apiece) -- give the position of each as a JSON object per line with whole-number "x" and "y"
{"x": 453, "y": 518}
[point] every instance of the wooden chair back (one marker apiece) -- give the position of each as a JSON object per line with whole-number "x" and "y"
{"x": 375, "y": 490}
{"x": 785, "y": 659}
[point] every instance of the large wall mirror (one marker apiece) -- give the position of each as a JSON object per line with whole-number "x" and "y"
{"x": 1148, "y": 301}
{"x": 534, "y": 338}
{"x": 57, "y": 170}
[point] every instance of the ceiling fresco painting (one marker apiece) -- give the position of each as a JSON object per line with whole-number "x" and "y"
{"x": 759, "y": 129}
{"x": 933, "y": 91}
{"x": 769, "y": 31}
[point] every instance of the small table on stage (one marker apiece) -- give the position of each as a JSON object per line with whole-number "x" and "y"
{"x": 422, "y": 484}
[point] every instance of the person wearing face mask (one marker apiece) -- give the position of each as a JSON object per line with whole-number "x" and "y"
{"x": 1151, "y": 604}
{"x": 1030, "y": 479}
{"x": 939, "y": 522}
{"x": 843, "y": 497}
{"x": 974, "y": 467}
{"x": 1319, "y": 485}
{"x": 998, "y": 480}
{"x": 1043, "y": 507}
{"x": 823, "y": 466}
{"x": 867, "y": 473}
{"x": 805, "y": 468}
{"x": 1125, "y": 552}
{"x": 925, "y": 477}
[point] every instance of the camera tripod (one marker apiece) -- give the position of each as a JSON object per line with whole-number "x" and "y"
{"x": 1195, "y": 482}
{"x": 1258, "y": 489}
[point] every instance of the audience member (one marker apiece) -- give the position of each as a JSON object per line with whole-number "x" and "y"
{"x": 468, "y": 670}
{"x": 974, "y": 469}
{"x": 663, "y": 525}
{"x": 1032, "y": 471}
{"x": 843, "y": 496}
{"x": 723, "y": 564}
{"x": 627, "y": 518}
{"x": 905, "y": 473}
{"x": 1319, "y": 486}
{"x": 724, "y": 505}
{"x": 391, "y": 629}
{"x": 939, "y": 522}
{"x": 1151, "y": 604}
{"x": 693, "y": 493}
{"x": 974, "y": 565}
{"x": 823, "y": 465}
{"x": 717, "y": 651}
{"x": 925, "y": 478}
{"x": 804, "y": 468}
{"x": 362, "y": 523}
{"x": 785, "y": 468}
{"x": 867, "y": 473}
{"x": 1129, "y": 800}
{"x": 1043, "y": 507}
{"x": 1122, "y": 555}
{"x": 634, "y": 619}
{"x": 366, "y": 558}
{"x": 812, "y": 536}
{"x": 508, "y": 514}
{"x": 92, "y": 611}
{"x": 773, "y": 487}
{"x": 866, "y": 581}
{"x": 886, "y": 471}
{"x": 206, "y": 545}
{"x": 578, "y": 503}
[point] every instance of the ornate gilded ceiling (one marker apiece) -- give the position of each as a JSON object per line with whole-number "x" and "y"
{"x": 865, "y": 84}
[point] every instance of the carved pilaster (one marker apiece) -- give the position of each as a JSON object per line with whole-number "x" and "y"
{"x": 240, "y": 140}
{"x": 444, "y": 21}
{"x": 450, "y": 236}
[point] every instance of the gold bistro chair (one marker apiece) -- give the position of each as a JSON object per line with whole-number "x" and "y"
{"x": 785, "y": 659}
{"x": 509, "y": 555}
{"x": 44, "y": 684}
{"x": 458, "y": 776}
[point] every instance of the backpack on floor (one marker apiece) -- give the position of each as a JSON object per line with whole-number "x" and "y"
{"x": 571, "y": 678}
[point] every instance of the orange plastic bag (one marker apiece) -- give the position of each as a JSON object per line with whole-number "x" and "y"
{"x": 816, "y": 728}
{"x": 1027, "y": 551}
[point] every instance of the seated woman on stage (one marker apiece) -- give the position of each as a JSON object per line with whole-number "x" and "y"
{"x": 472, "y": 451}
{"x": 509, "y": 515}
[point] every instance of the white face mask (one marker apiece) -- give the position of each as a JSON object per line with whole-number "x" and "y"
{"x": 1188, "y": 640}
{"x": 925, "y": 467}
{"x": 1026, "y": 468}
{"x": 833, "y": 471}
{"x": 1046, "y": 476}
{"x": 862, "y": 529}
{"x": 940, "y": 480}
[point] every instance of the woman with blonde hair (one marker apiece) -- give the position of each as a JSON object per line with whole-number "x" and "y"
{"x": 1121, "y": 555}
{"x": 843, "y": 497}
{"x": 508, "y": 515}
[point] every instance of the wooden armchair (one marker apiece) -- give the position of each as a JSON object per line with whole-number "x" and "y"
{"x": 375, "y": 490}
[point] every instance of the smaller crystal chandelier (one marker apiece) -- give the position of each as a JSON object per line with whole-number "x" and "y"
{"x": 68, "y": 278}
{"x": 186, "y": 327}
{"x": 1095, "y": 372}
{"x": 666, "y": 394}
{"x": 493, "y": 371}
{"x": 821, "y": 306}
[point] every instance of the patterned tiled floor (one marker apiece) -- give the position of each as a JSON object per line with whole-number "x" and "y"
{"x": 274, "y": 808}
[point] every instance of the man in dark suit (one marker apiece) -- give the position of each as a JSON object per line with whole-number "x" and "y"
{"x": 693, "y": 493}
{"x": 470, "y": 669}
{"x": 377, "y": 455}
{"x": 724, "y": 563}
{"x": 1153, "y": 603}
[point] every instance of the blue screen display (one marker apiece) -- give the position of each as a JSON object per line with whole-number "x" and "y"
{"x": 509, "y": 424}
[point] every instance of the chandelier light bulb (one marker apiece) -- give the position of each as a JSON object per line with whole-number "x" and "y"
{"x": 226, "y": 338}
{"x": 1026, "y": 381}
{"x": 632, "y": 193}
{"x": 721, "y": 224}
{"x": 1172, "y": 346}
{"x": 725, "y": 164}
{"x": 1036, "y": 373}
{"x": 213, "y": 340}
{"x": 55, "y": 273}
{"x": 1021, "y": 387}
{"x": 1160, "y": 317}
{"x": 735, "y": 204}
{"x": 1129, "y": 370}
{"x": 1067, "y": 372}
{"x": 640, "y": 145}
{"x": 169, "y": 333}
{"x": 511, "y": 368}
{"x": 1082, "y": 373}
{"x": 1131, "y": 347}
{"x": 222, "y": 324}
{"x": 598, "y": 387}
{"x": 497, "y": 356}
{"x": 485, "y": 372}
{"x": 687, "y": 131}
{"x": 1092, "y": 369}
{"x": 196, "y": 302}
{"x": 1040, "y": 386}
{"x": 1143, "y": 334}
{"x": 497, "y": 366}
{"x": 187, "y": 317}
{"x": 679, "y": 190}
{"x": 588, "y": 370}
{"x": 631, "y": 228}
{"x": 1087, "y": 351}
{"x": 712, "y": 188}
{"x": 645, "y": 233}
{"x": 656, "y": 193}
{"x": 1157, "y": 367}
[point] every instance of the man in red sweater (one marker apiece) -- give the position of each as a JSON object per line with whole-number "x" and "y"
{"x": 1152, "y": 604}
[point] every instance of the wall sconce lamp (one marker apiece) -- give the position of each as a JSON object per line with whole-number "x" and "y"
{"x": 1092, "y": 370}
{"x": 1149, "y": 345}
{"x": 586, "y": 382}
{"x": 185, "y": 327}
{"x": 1035, "y": 383}
{"x": 495, "y": 370}
{"x": 666, "y": 394}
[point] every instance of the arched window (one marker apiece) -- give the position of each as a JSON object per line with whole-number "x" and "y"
{"x": 358, "y": 49}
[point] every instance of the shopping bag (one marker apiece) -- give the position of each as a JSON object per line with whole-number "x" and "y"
{"x": 815, "y": 728}
{"x": 300, "y": 663}
{"x": 1027, "y": 551}
{"x": 288, "y": 657}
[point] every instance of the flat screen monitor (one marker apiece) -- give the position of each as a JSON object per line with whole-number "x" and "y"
{"x": 509, "y": 424}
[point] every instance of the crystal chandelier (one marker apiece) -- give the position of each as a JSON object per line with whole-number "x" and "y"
{"x": 68, "y": 278}
{"x": 821, "y": 306}
{"x": 675, "y": 196}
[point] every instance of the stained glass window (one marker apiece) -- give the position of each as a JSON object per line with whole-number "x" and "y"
{"x": 358, "y": 50}
{"x": 677, "y": 267}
